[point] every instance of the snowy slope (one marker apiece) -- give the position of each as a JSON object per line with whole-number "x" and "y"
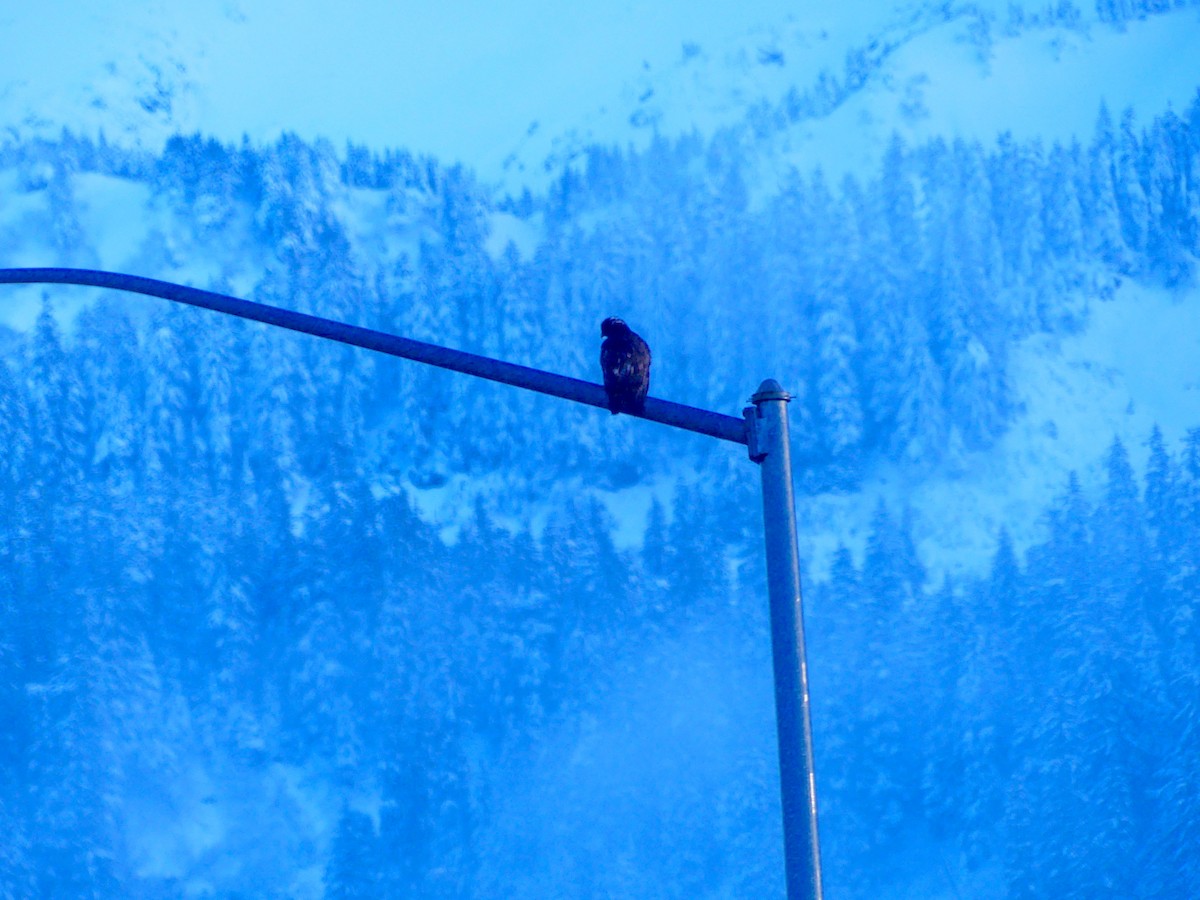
{"x": 518, "y": 92}
{"x": 966, "y": 80}
{"x": 704, "y": 86}
{"x": 1130, "y": 368}
{"x": 942, "y": 71}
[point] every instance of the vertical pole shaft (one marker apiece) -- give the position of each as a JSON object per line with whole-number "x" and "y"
{"x": 768, "y": 433}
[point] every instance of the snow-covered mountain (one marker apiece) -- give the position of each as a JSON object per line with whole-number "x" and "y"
{"x": 398, "y": 76}
{"x": 826, "y": 88}
{"x": 288, "y": 621}
{"x": 462, "y": 80}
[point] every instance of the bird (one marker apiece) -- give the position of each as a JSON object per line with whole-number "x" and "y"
{"x": 625, "y": 362}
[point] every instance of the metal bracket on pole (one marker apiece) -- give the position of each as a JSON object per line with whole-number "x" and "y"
{"x": 753, "y": 443}
{"x": 767, "y": 441}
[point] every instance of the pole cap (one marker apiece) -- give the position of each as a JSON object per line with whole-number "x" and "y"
{"x": 770, "y": 390}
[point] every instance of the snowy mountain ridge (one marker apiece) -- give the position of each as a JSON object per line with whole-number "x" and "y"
{"x": 392, "y": 75}
{"x": 808, "y": 94}
{"x": 828, "y": 85}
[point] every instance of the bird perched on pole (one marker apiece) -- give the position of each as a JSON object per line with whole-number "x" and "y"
{"x": 625, "y": 362}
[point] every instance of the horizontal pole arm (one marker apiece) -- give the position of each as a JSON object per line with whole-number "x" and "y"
{"x": 702, "y": 421}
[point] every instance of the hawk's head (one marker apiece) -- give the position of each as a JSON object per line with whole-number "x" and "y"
{"x": 612, "y": 326}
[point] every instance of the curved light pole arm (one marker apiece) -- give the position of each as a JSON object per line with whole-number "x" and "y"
{"x": 726, "y": 428}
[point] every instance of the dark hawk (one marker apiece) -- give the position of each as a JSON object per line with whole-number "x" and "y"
{"x": 625, "y": 361}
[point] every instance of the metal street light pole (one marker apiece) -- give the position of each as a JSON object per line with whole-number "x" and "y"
{"x": 763, "y": 429}
{"x": 767, "y": 432}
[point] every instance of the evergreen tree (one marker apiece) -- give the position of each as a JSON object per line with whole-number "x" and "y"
{"x": 1167, "y": 224}
{"x": 836, "y": 382}
{"x": 15, "y": 475}
{"x": 172, "y": 396}
{"x": 1103, "y": 215}
{"x": 1063, "y": 209}
{"x": 1172, "y": 831}
{"x": 16, "y": 876}
{"x": 990, "y": 696}
{"x": 1040, "y": 819}
{"x": 586, "y": 587}
{"x": 1184, "y": 577}
{"x": 352, "y": 871}
{"x": 109, "y": 360}
{"x": 892, "y": 579}
{"x": 920, "y": 425}
{"x": 1120, "y": 520}
{"x": 57, "y": 470}
{"x": 950, "y": 767}
{"x": 66, "y": 232}
{"x": 1130, "y": 189}
{"x": 899, "y": 204}
{"x": 78, "y": 851}
{"x": 217, "y": 350}
{"x": 337, "y": 611}
{"x": 883, "y": 382}
{"x": 842, "y": 639}
{"x": 698, "y": 577}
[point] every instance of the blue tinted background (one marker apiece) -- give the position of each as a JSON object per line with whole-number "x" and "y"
{"x": 286, "y": 619}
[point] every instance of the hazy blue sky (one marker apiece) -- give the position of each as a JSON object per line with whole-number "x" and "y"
{"x": 456, "y": 78}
